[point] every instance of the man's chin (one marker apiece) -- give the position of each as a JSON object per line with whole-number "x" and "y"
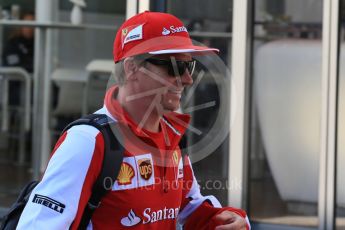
{"x": 171, "y": 108}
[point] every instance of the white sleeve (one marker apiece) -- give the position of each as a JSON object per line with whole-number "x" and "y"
{"x": 54, "y": 202}
{"x": 195, "y": 198}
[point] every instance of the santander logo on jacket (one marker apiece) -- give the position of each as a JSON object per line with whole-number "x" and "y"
{"x": 149, "y": 216}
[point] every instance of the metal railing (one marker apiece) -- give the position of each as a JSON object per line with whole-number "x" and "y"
{"x": 8, "y": 74}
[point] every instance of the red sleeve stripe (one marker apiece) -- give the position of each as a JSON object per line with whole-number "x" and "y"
{"x": 91, "y": 176}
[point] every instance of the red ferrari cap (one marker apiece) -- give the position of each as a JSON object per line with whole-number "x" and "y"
{"x": 154, "y": 33}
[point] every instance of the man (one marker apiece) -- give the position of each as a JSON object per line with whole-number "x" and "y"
{"x": 19, "y": 49}
{"x": 19, "y": 52}
{"x": 155, "y": 186}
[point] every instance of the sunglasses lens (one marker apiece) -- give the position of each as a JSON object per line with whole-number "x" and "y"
{"x": 175, "y": 68}
{"x": 182, "y": 66}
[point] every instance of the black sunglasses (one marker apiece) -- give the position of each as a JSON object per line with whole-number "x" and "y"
{"x": 181, "y": 66}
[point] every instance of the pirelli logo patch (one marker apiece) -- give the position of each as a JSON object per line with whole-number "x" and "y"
{"x": 49, "y": 202}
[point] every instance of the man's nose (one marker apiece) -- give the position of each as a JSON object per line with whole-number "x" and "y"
{"x": 186, "y": 78}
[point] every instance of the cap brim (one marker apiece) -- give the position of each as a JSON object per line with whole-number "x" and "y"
{"x": 198, "y": 50}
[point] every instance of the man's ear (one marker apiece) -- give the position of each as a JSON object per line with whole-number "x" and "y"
{"x": 130, "y": 68}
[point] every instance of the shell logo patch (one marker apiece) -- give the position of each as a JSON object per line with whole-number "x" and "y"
{"x": 126, "y": 174}
{"x": 145, "y": 168}
{"x": 135, "y": 172}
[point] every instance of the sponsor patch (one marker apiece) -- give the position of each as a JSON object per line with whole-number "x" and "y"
{"x": 136, "y": 171}
{"x": 132, "y": 33}
{"x": 49, "y": 202}
{"x": 173, "y": 30}
{"x": 150, "y": 216}
{"x": 165, "y": 31}
{"x": 131, "y": 219}
{"x": 127, "y": 178}
{"x": 145, "y": 168}
{"x": 180, "y": 169}
{"x": 126, "y": 174}
{"x": 124, "y": 32}
{"x": 175, "y": 157}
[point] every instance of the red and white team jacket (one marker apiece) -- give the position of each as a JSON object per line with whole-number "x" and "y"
{"x": 155, "y": 187}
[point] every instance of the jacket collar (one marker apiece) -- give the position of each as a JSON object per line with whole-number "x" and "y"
{"x": 173, "y": 124}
